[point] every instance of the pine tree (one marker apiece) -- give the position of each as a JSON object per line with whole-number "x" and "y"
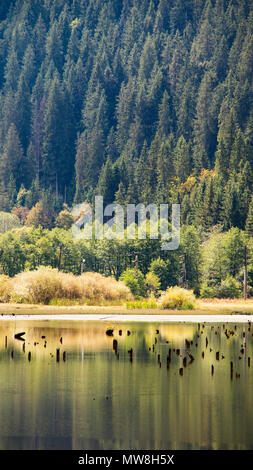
{"x": 23, "y": 110}
{"x": 227, "y": 130}
{"x": 165, "y": 116}
{"x": 249, "y": 221}
{"x": 106, "y": 184}
{"x": 54, "y": 47}
{"x": 54, "y": 169}
{"x": 121, "y": 195}
{"x": 147, "y": 60}
{"x": 12, "y": 71}
{"x": 10, "y": 164}
{"x": 165, "y": 169}
{"x": 182, "y": 159}
{"x": 39, "y": 40}
{"x": 203, "y": 135}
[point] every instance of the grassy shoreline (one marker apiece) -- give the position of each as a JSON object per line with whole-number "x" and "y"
{"x": 205, "y": 307}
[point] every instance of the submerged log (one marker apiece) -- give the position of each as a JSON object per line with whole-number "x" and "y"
{"x": 57, "y": 355}
{"x": 109, "y": 332}
{"x": 19, "y": 336}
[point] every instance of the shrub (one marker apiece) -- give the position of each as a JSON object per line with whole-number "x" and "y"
{"x": 229, "y": 288}
{"x": 135, "y": 282}
{"x": 96, "y": 286}
{"x": 178, "y": 298}
{"x": 38, "y": 286}
{"x": 207, "y": 292}
{"x": 46, "y": 285}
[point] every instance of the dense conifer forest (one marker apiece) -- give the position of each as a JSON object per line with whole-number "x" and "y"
{"x": 136, "y": 100}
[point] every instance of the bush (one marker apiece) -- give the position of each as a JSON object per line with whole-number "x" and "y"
{"x": 38, "y": 286}
{"x": 136, "y": 283}
{"x": 229, "y": 288}
{"x": 95, "y": 286}
{"x": 46, "y": 285}
{"x": 207, "y": 292}
{"x": 178, "y": 298}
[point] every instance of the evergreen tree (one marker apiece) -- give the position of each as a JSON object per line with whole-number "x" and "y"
{"x": 165, "y": 116}
{"x": 249, "y": 221}
{"x": 203, "y": 135}
{"x": 10, "y": 165}
{"x": 54, "y": 165}
{"x": 182, "y": 159}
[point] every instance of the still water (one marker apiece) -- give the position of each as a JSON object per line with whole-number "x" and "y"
{"x": 152, "y": 388}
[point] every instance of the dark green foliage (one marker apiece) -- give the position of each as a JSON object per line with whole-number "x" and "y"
{"x": 129, "y": 99}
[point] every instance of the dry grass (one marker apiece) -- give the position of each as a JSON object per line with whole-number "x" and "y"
{"x": 222, "y": 307}
{"x": 47, "y": 284}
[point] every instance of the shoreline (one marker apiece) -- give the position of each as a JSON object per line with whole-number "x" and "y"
{"x": 133, "y": 318}
{"x": 207, "y": 311}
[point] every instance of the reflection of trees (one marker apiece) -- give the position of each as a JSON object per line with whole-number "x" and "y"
{"x": 147, "y": 406}
{"x": 91, "y": 336}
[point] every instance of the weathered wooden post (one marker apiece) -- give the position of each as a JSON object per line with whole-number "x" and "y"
{"x": 245, "y": 274}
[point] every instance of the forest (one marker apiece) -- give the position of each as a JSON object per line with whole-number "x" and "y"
{"x": 140, "y": 101}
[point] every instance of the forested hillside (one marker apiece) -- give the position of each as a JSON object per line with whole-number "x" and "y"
{"x": 136, "y": 100}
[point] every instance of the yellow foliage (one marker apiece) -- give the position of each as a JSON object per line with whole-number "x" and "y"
{"x": 75, "y": 23}
{"x": 207, "y": 173}
{"x": 187, "y": 186}
{"x": 178, "y": 298}
{"x": 46, "y": 284}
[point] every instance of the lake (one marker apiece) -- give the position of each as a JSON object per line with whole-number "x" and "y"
{"x": 145, "y": 386}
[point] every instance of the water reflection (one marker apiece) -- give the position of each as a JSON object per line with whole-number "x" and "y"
{"x": 150, "y": 389}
